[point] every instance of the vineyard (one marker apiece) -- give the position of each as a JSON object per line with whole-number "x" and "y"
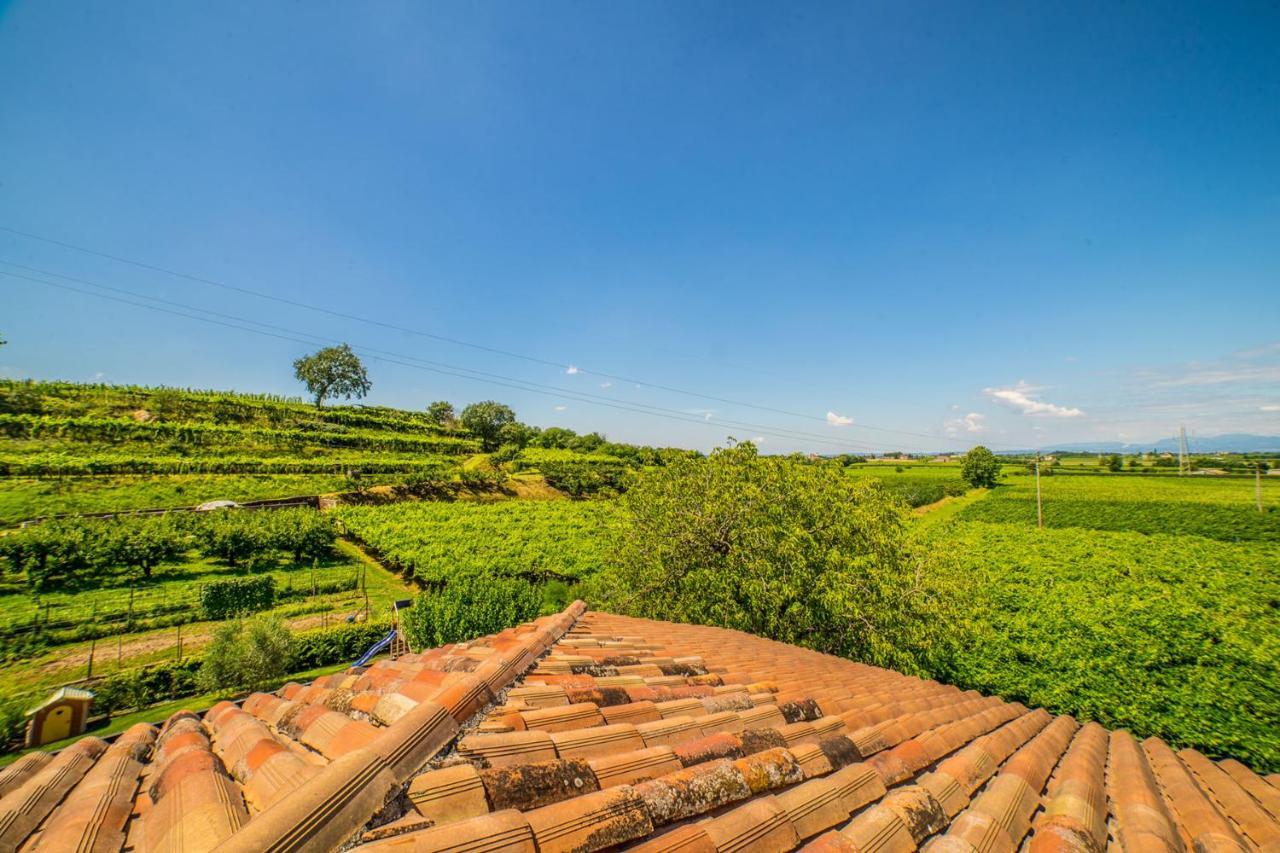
{"x": 1214, "y": 508}
{"x": 540, "y": 541}
{"x": 1177, "y": 636}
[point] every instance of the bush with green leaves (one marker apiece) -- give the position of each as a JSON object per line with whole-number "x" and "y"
{"x": 229, "y": 597}
{"x": 798, "y": 552}
{"x": 470, "y": 605}
{"x": 335, "y": 645}
{"x": 247, "y": 655}
{"x": 139, "y": 688}
{"x": 580, "y": 478}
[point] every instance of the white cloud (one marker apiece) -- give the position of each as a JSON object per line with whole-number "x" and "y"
{"x": 1021, "y": 398}
{"x": 561, "y": 408}
{"x": 707, "y": 416}
{"x": 1270, "y": 407}
{"x": 972, "y": 422}
{"x": 838, "y": 420}
{"x": 606, "y": 384}
{"x": 571, "y": 370}
{"x": 759, "y": 439}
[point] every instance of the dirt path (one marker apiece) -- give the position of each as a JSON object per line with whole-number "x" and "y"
{"x": 195, "y": 636}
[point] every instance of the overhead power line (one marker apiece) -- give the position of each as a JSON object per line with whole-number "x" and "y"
{"x": 309, "y": 339}
{"x": 560, "y": 365}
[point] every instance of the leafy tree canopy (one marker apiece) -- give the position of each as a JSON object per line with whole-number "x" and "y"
{"x": 485, "y": 421}
{"x": 980, "y": 468}
{"x": 441, "y": 413}
{"x": 797, "y": 552}
{"x": 332, "y": 372}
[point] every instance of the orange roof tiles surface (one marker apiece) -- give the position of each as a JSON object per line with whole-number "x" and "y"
{"x": 587, "y": 731}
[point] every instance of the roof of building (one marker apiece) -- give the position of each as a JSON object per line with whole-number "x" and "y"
{"x": 73, "y": 693}
{"x": 588, "y": 731}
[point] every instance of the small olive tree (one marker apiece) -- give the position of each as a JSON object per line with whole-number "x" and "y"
{"x": 247, "y": 655}
{"x": 980, "y": 468}
{"x": 332, "y": 372}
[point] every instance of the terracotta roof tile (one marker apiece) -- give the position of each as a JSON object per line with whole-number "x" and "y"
{"x": 23, "y": 809}
{"x": 632, "y": 733}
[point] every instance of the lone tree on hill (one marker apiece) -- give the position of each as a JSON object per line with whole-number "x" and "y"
{"x": 980, "y": 468}
{"x": 485, "y": 421}
{"x": 441, "y": 413}
{"x": 332, "y": 372}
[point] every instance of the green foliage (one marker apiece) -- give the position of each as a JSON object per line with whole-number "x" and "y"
{"x": 332, "y": 372}
{"x": 223, "y": 599}
{"x": 470, "y": 605}
{"x": 441, "y": 414}
{"x": 980, "y": 468}
{"x": 138, "y": 688}
{"x": 586, "y": 478}
{"x": 536, "y": 540}
{"x": 13, "y": 724}
{"x": 486, "y": 421}
{"x": 314, "y": 649}
{"x": 1173, "y": 636}
{"x": 797, "y": 552}
{"x": 248, "y": 655}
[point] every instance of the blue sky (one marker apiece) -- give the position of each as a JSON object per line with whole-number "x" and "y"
{"x": 954, "y": 223}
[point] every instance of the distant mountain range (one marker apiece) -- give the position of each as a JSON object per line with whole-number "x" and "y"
{"x": 1234, "y": 442}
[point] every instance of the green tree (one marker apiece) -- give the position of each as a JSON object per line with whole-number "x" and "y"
{"x": 144, "y": 543}
{"x": 485, "y": 421}
{"x": 980, "y": 468}
{"x": 332, "y": 372}
{"x": 1114, "y": 462}
{"x": 471, "y": 604}
{"x": 554, "y": 437}
{"x": 247, "y": 655}
{"x": 441, "y": 414}
{"x": 800, "y": 553}
{"x": 517, "y": 434}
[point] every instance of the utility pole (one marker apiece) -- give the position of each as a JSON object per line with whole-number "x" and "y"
{"x": 1039, "y": 504}
{"x": 1184, "y": 456}
{"x": 1257, "y": 484}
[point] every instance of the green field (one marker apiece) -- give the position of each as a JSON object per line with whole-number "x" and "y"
{"x": 1177, "y": 636}
{"x": 917, "y": 484}
{"x": 539, "y": 540}
{"x": 1216, "y": 508}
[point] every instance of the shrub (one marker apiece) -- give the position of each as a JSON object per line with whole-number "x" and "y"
{"x": 336, "y": 645}
{"x": 223, "y": 599}
{"x": 470, "y": 605}
{"x": 247, "y": 655}
{"x": 139, "y": 688}
{"x": 583, "y": 478}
